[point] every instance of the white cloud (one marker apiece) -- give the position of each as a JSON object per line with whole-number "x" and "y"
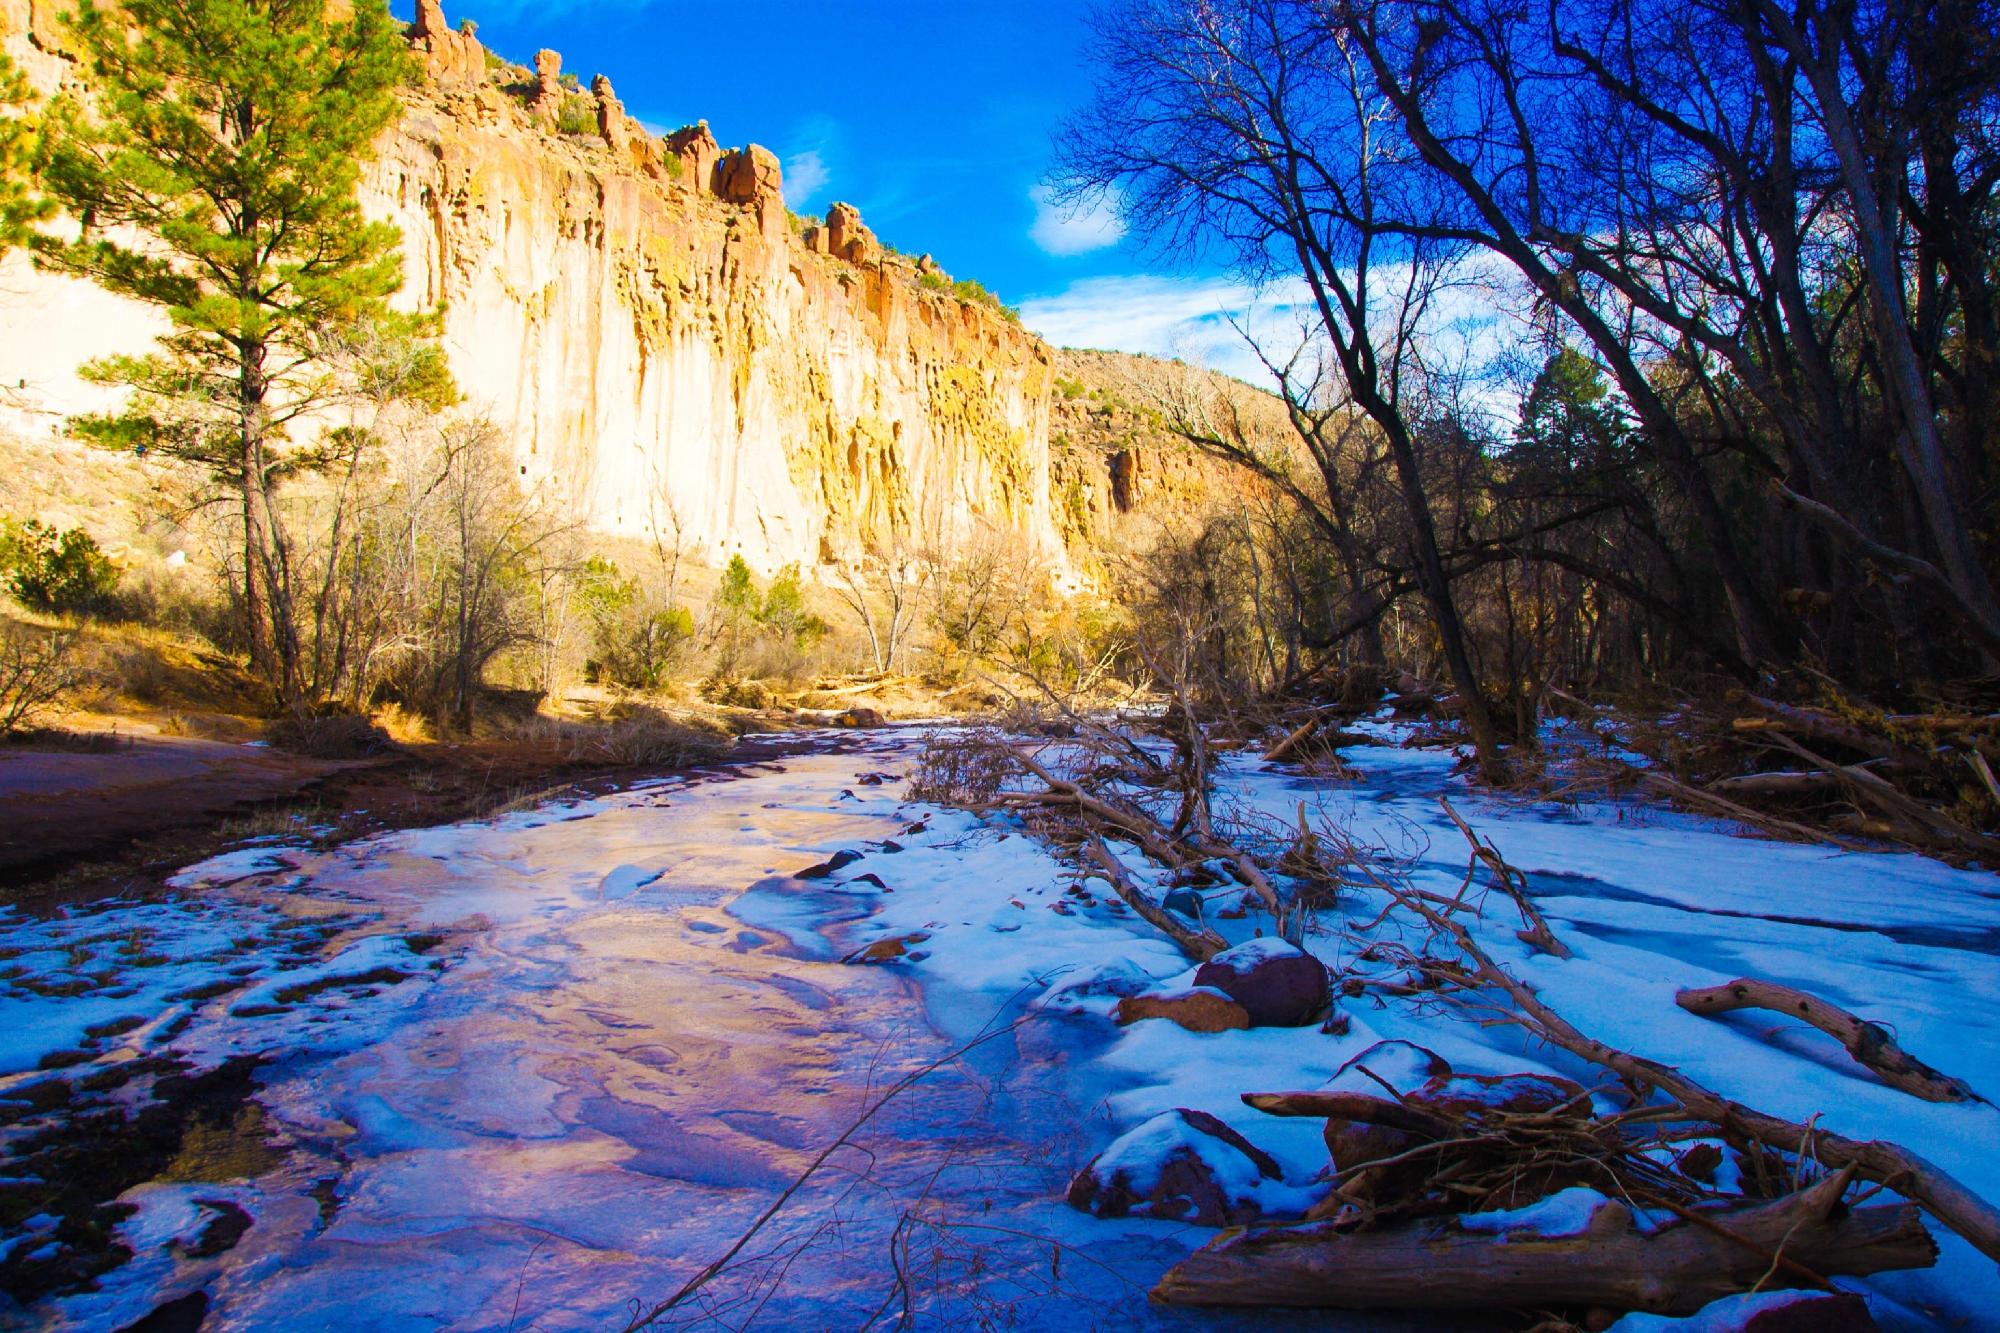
{"x": 1469, "y": 328}
{"x": 1188, "y": 318}
{"x": 805, "y": 176}
{"x": 1065, "y": 231}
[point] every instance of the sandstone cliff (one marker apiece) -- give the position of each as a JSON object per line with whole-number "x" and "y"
{"x": 663, "y": 345}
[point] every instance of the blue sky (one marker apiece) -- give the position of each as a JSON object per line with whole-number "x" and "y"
{"x": 933, "y": 117}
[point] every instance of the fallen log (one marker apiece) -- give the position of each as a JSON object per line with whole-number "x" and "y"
{"x": 1821, "y": 725}
{"x": 1885, "y": 1163}
{"x": 1713, "y": 804}
{"x": 1869, "y": 1043}
{"x": 1609, "y": 1264}
{"x": 1775, "y": 784}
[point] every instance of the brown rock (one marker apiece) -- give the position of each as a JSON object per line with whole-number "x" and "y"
{"x": 815, "y": 240}
{"x": 1277, "y": 983}
{"x": 867, "y": 718}
{"x": 611, "y": 124}
{"x": 749, "y": 175}
{"x": 449, "y": 57}
{"x": 1199, "y": 1009}
{"x": 847, "y": 237}
{"x": 1173, "y": 1167}
{"x": 546, "y": 105}
{"x": 888, "y": 950}
{"x": 698, "y": 154}
{"x": 1463, "y": 1095}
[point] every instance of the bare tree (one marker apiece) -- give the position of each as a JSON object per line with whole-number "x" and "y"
{"x": 1255, "y": 130}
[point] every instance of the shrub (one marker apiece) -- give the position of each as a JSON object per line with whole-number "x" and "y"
{"x": 973, "y": 291}
{"x": 37, "y": 667}
{"x": 648, "y": 739}
{"x": 55, "y": 571}
{"x": 337, "y": 736}
{"x": 962, "y": 768}
{"x": 578, "y": 115}
{"x": 934, "y": 282}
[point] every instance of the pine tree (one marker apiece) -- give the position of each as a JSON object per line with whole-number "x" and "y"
{"x": 20, "y": 206}
{"x": 230, "y": 134}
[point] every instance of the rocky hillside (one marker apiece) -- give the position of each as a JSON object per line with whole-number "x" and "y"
{"x": 664, "y": 344}
{"x": 1115, "y": 465}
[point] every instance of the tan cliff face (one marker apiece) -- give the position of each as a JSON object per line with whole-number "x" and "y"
{"x": 643, "y": 324}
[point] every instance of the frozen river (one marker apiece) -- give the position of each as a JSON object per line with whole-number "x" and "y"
{"x": 541, "y": 1070}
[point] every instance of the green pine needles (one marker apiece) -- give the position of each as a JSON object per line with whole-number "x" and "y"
{"x": 229, "y": 135}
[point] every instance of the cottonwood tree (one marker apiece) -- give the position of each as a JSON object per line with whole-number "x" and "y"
{"x": 1773, "y": 226}
{"x": 1253, "y": 131}
{"x": 229, "y": 134}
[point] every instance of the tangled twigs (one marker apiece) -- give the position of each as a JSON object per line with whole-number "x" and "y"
{"x": 1157, "y": 841}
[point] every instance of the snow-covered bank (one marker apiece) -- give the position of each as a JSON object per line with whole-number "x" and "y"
{"x": 521, "y": 1072}
{"x": 1649, "y": 900}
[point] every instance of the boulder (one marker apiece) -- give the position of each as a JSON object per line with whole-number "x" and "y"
{"x": 1199, "y": 1009}
{"x": 1117, "y": 978}
{"x": 888, "y": 950}
{"x": 1462, "y": 1095}
{"x": 864, "y": 718}
{"x": 546, "y": 104}
{"x": 1180, "y": 1166}
{"x": 449, "y": 57}
{"x": 839, "y": 861}
{"x": 1277, "y": 983}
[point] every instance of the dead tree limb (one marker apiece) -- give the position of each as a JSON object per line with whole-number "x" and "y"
{"x": 1514, "y": 884}
{"x": 1869, "y": 1043}
{"x": 1611, "y": 1264}
{"x": 1719, "y": 805}
{"x": 1364, "y": 1107}
{"x": 1199, "y": 945}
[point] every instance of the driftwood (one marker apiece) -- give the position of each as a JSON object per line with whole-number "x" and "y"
{"x": 1535, "y": 928}
{"x": 1612, "y": 1265}
{"x": 1776, "y": 784}
{"x": 1824, "y": 726}
{"x": 1716, "y": 804}
{"x": 1921, "y": 823}
{"x": 1869, "y": 1043}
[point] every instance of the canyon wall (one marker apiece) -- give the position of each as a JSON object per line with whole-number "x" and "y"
{"x": 658, "y": 343}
